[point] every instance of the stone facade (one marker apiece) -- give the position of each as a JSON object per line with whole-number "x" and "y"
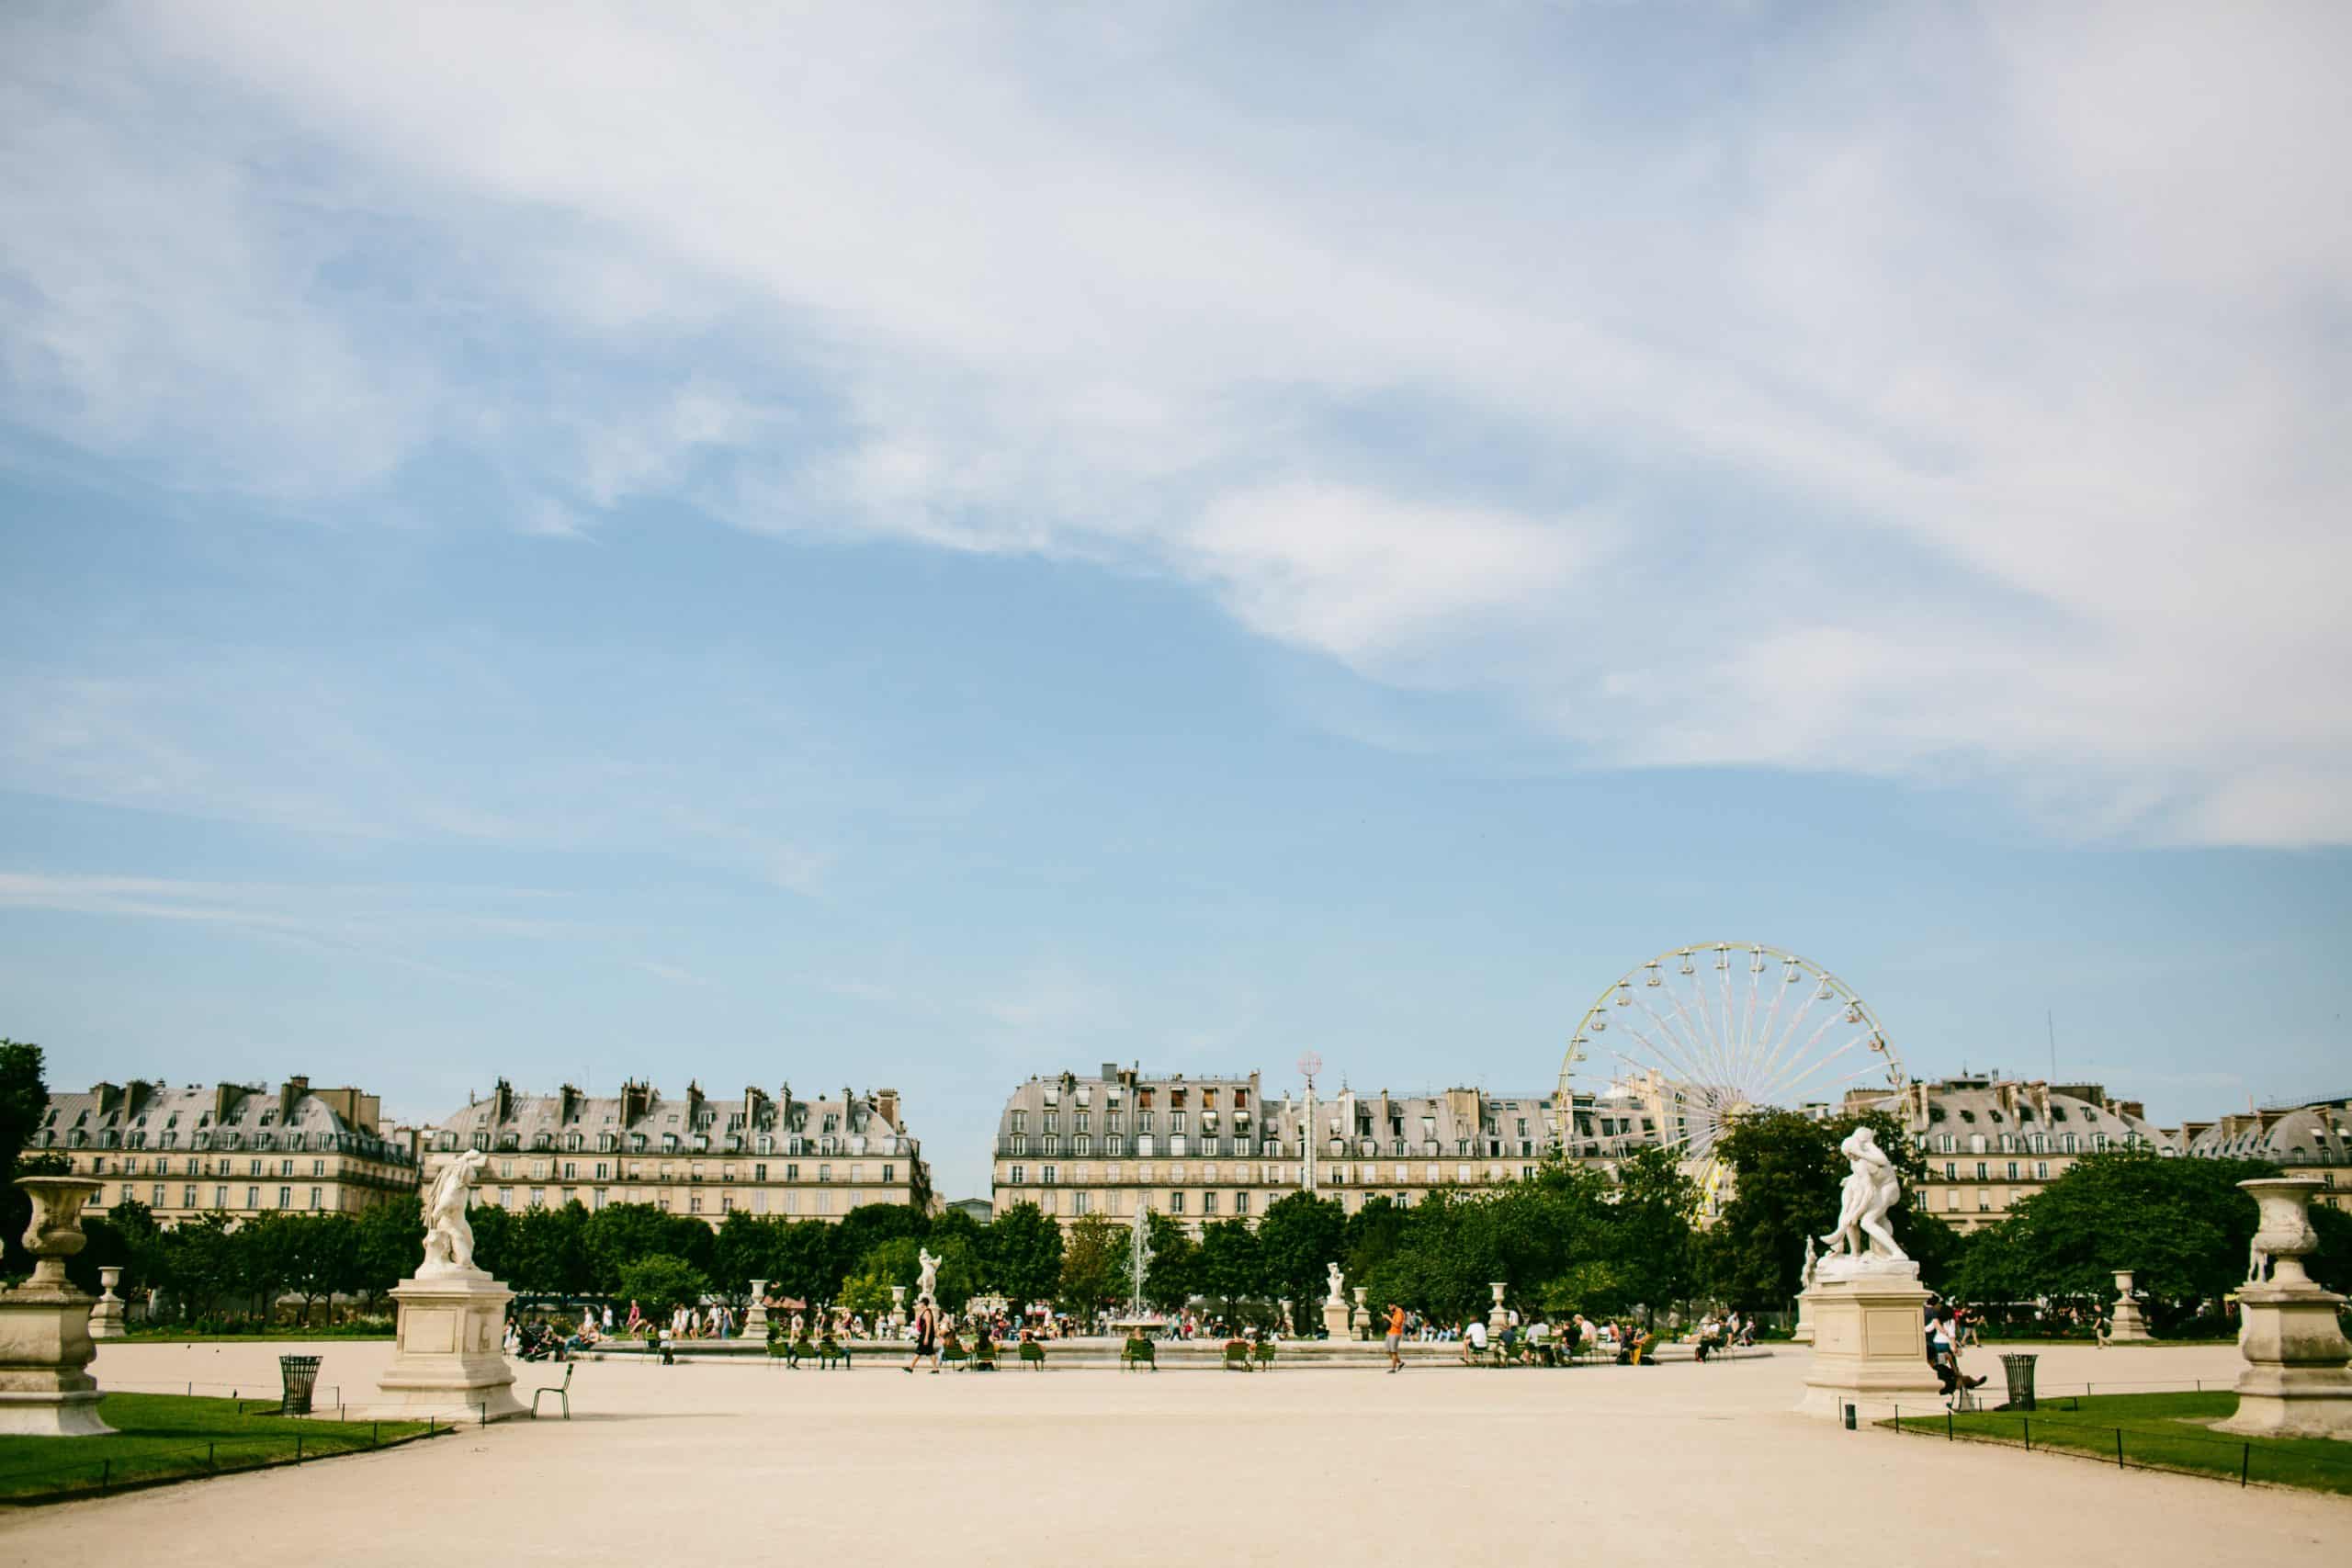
{"x": 1210, "y": 1148}
{"x": 774, "y": 1156}
{"x": 239, "y": 1149}
{"x": 2312, "y": 1140}
{"x": 1992, "y": 1141}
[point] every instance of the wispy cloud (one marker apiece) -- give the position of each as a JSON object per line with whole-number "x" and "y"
{"x": 1916, "y": 393}
{"x": 386, "y": 925}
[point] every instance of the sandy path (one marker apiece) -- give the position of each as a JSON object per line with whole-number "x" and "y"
{"x": 744, "y": 1463}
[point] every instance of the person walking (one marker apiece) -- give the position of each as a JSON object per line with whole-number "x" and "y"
{"x": 1396, "y": 1337}
{"x": 926, "y": 1327}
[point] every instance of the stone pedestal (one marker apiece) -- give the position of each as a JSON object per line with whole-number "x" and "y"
{"x": 2296, "y": 1383}
{"x": 108, "y": 1319}
{"x": 898, "y": 1306}
{"x": 449, "y": 1355}
{"x": 45, "y": 1323}
{"x": 1801, "y": 1333}
{"x": 1335, "y": 1319}
{"x": 1497, "y": 1315}
{"x": 2128, "y": 1323}
{"x": 755, "y": 1316}
{"x": 1870, "y": 1347}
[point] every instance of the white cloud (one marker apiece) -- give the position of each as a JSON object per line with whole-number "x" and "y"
{"x": 1929, "y": 394}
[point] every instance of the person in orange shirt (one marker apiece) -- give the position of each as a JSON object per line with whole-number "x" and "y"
{"x": 1396, "y": 1336}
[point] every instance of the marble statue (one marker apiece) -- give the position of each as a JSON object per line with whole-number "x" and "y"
{"x": 1811, "y": 1264}
{"x": 1337, "y": 1280}
{"x": 927, "y": 1283}
{"x": 449, "y": 1239}
{"x": 1870, "y": 1194}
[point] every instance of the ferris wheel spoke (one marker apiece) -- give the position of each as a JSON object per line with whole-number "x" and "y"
{"x": 1806, "y": 1051}
{"x": 1666, "y": 1028}
{"x": 1669, "y": 1059}
{"x": 1815, "y": 1075}
{"x": 1699, "y": 998}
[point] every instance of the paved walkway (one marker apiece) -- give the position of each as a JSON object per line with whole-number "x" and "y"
{"x": 726, "y": 1463}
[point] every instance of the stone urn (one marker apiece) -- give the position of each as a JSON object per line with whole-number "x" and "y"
{"x": 755, "y": 1316}
{"x": 45, "y": 1323}
{"x": 2297, "y": 1382}
{"x": 2128, "y": 1325}
{"x": 55, "y": 1233}
{"x": 1497, "y": 1315}
{"x": 108, "y": 1319}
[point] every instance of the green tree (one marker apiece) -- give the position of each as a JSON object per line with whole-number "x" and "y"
{"x": 390, "y": 1243}
{"x": 1298, "y": 1237}
{"x": 1653, "y": 1250}
{"x": 2180, "y": 1225}
{"x": 1095, "y": 1266}
{"x": 1172, "y": 1277}
{"x": 1371, "y": 1237}
{"x": 549, "y": 1251}
{"x": 1231, "y": 1269}
{"x": 804, "y": 1262}
{"x": 123, "y": 1240}
{"x": 317, "y": 1257}
{"x": 24, "y": 1101}
{"x": 660, "y": 1282}
{"x": 1024, "y": 1255}
{"x": 744, "y": 1250}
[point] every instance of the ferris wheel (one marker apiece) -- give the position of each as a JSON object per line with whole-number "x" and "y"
{"x": 1696, "y": 1036}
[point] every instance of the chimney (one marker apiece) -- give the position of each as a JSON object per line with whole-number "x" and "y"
{"x": 636, "y": 1099}
{"x": 886, "y": 1105}
{"x": 290, "y": 1095}
{"x": 1110, "y": 1072}
{"x": 504, "y": 1095}
{"x": 567, "y": 1103}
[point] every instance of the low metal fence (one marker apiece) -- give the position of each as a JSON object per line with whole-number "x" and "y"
{"x": 55, "y": 1479}
{"x": 2055, "y": 1426}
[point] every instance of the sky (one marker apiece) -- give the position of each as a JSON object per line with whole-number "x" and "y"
{"x": 925, "y": 545}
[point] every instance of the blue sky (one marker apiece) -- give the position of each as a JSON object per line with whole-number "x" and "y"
{"x": 926, "y": 547}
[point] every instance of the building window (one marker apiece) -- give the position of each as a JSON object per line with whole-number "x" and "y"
{"x": 506, "y": 1197}
{"x": 1175, "y": 1203}
{"x": 253, "y": 1196}
{"x": 1077, "y": 1202}
{"x": 316, "y": 1193}
{"x": 1019, "y": 1176}
{"x": 1208, "y": 1203}
{"x": 1241, "y": 1202}
{"x": 286, "y": 1197}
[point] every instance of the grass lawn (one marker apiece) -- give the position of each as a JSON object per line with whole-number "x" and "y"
{"x": 2157, "y": 1432}
{"x": 161, "y": 1437}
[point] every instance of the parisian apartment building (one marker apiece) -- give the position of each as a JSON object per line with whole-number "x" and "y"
{"x": 1201, "y": 1149}
{"x": 771, "y": 1155}
{"x": 239, "y": 1149}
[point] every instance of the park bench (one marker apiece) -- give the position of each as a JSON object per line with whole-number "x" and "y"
{"x": 1137, "y": 1353}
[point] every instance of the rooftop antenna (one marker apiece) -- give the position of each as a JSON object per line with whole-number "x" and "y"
{"x": 2049, "y": 1022}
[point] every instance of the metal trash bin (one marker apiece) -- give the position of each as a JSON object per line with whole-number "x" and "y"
{"x": 301, "y": 1375}
{"x": 2018, "y": 1371}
